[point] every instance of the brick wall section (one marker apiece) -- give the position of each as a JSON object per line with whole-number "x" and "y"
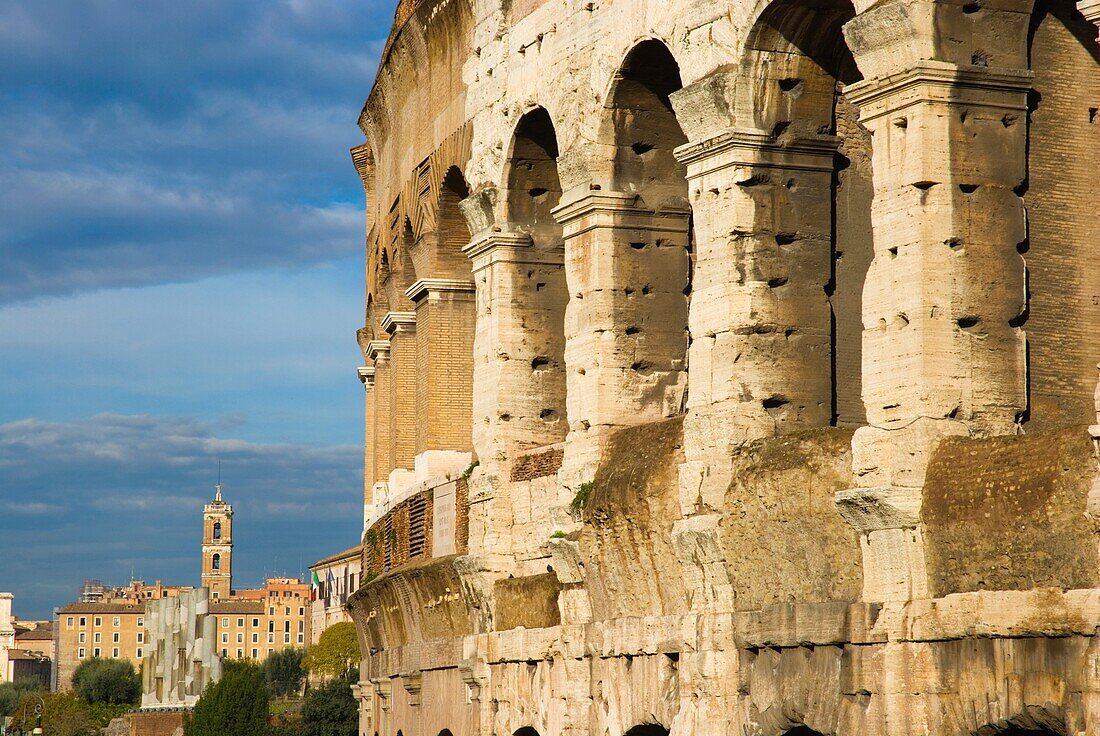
{"x": 444, "y": 392}
{"x": 1063, "y": 327}
{"x": 403, "y": 380}
{"x": 380, "y": 427}
{"x": 394, "y": 546}
{"x": 537, "y": 464}
{"x": 155, "y": 723}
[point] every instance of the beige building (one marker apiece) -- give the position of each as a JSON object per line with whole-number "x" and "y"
{"x": 217, "y": 547}
{"x": 259, "y": 622}
{"x": 773, "y": 330}
{"x": 85, "y": 630}
{"x": 334, "y": 579}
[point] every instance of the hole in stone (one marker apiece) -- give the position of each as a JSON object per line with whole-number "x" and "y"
{"x": 925, "y": 185}
{"x": 953, "y": 413}
{"x": 1019, "y": 320}
{"x": 785, "y": 238}
{"x": 979, "y": 58}
{"x": 1092, "y": 114}
{"x": 777, "y": 282}
{"x": 539, "y": 363}
{"x": 628, "y": 291}
{"x": 643, "y": 367}
{"x": 754, "y": 180}
{"x": 580, "y": 371}
{"x": 968, "y": 188}
{"x": 505, "y": 417}
{"x": 954, "y": 243}
{"x": 640, "y": 148}
{"x": 638, "y": 246}
{"x": 540, "y": 286}
{"x": 773, "y": 405}
{"x": 633, "y": 330}
{"x": 1024, "y": 246}
{"x": 963, "y": 116}
{"x": 969, "y": 8}
{"x": 791, "y": 84}
{"x": 891, "y": 406}
{"x": 778, "y": 128}
{"x": 893, "y": 251}
{"x": 673, "y": 656}
{"x": 841, "y": 162}
{"x": 967, "y": 323}
{"x": 903, "y": 319}
{"x": 1021, "y": 189}
{"x": 645, "y": 290}
{"x": 548, "y": 414}
{"x": 578, "y": 295}
{"x": 902, "y": 122}
{"x": 1009, "y": 120}
{"x": 790, "y": 184}
{"x": 787, "y": 333}
{"x": 537, "y": 192}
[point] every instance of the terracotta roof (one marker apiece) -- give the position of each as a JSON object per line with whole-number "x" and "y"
{"x": 24, "y": 655}
{"x": 219, "y": 607}
{"x": 338, "y": 557}
{"x": 36, "y": 634}
{"x": 103, "y": 608}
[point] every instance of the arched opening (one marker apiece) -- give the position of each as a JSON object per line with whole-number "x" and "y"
{"x": 810, "y": 242}
{"x": 1062, "y": 319}
{"x": 802, "y": 731}
{"x": 525, "y": 731}
{"x": 647, "y": 729}
{"x": 216, "y": 562}
{"x": 536, "y": 293}
{"x": 636, "y": 274}
{"x": 217, "y": 530}
{"x": 445, "y": 732}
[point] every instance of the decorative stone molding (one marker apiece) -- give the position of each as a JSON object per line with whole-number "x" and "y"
{"x": 875, "y": 509}
{"x": 413, "y": 682}
{"x": 757, "y": 148}
{"x": 515, "y": 247}
{"x": 399, "y": 322}
{"x": 1091, "y": 10}
{"x": 427, "y": 287}
{"x": 612, "y": 209}
{"x": 366, "y": 376}
{"x": 378, "y": 350}
{"x": 888, "y": 522}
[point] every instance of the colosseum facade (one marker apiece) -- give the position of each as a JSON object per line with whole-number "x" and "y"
{"x": 731, "y": 369}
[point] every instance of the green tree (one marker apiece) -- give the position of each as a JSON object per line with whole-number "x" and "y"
{"x": 331, "y": 710}
{"x": 12, "y": 692}
{"x": 64, "y": 714}
{"x": 236, "y": 704}
{"x": 336, "y": 652}
{"x": 283, "y": 672}
{"x": 111, "y": 681}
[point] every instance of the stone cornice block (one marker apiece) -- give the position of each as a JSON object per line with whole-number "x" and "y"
{"x": 942, "y": 82}
{"x": 875, "y": 509}
{"x": 425, "y": 287}
{"x": 757, "y": 148}
{"x": 399, "y": 322}
{"x": 366, "y": 376}
{"x": 511, "y": 247}
{"x": 597, "y": 208}
{"x": 378, "y": 350}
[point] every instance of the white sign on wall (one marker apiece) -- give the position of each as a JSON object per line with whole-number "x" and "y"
{"x": 443, "y": 520}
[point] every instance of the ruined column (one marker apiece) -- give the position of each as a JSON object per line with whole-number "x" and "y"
{"x": 378, "y": 351}
{"x": 443, "y": 374}
{"x": 366, "y": 377}
{"x": 401, "y": 327}
{"x": 943, "y": 344}
{"x": 626, "y": 269}
{"x": 760, "y": 318}
{"x": 519, "y": 375}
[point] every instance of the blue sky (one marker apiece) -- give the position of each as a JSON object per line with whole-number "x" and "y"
{"x": 181, "y": 237}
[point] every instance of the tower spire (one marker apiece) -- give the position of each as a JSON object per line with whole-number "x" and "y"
{"x": 218, "y": 494}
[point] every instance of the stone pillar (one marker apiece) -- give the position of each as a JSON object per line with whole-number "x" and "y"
{"x": 366, "y": 376}
{"x": 401, "y": 327}
{"x": 943, "y": 346}
{"x": 378, "y": 351}
{"x": 626, "y": 269}
{"x": 444, "y": 374}
{"x": 519, "y": 346}
{"x": 760, "y": 353}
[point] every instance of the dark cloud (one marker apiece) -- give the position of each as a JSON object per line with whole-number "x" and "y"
{"x": 111, "y": 494}
{"x": 142, "y": 143}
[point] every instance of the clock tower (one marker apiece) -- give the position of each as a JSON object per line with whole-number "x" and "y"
{"x": 217, "y": 547}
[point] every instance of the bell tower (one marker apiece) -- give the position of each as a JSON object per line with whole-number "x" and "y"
{"x": 217, "y": 546}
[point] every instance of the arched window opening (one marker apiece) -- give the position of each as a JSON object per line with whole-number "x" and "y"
{"x": 538, "y": 294}
{"x": 647, "y": 729}
{"x": 216, "y": 562}
{"x": 217, "y": 530}
{"x": 812, "y": 228}
{"x": 525, "y": 731}
{"x": 802, "y": 731}
{"x": 452, "y": 232}
{"x": 445, "y": 732}
{"x": 1060, "y": 318}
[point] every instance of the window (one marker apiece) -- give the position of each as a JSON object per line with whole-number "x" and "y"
{"x": 287, "y": 610}
{"x": 240, "y": 654}
{"x": 141, "y": 637}
{"x": 217, "y": 530}
{"x": 216, "y": 561}
{"x": 286, "y": 639}
{"x": 286, "y": 626}
{"x": 240, "y": 637}
{"x": 255, "y": 638}
{"x": 114, "y": 638}
{"x": 225, "y": 623}
{"x": 69, "y": 622}
{"x": 270, "y": 639}
{"x": 270, "y": 625}
{"x": 271, "y": 611}
{"x": 255, "y": 653}
{"x": 302, "y": 611}
{"x": 81, "y": 653}
{"x": 225, "y": 652}
{"x": 256, "y": 622}
{"x": 116, "y": 622}
{"x": 225, "y": 638}
{"x": 139, "y": 655}
{"x": 83, "y": 636}
{"x": 83, "y": 620}
{"x": 270, "y": 650}
{"x": 98, "y": 621}
{"x": 98, "y": 637}
{"x": 141, "y": 621}
{"x": 114, "y": 652}
{"x": 240, "y": 622}
{"x": 96, "y": 652}
{"x": 301, "y": 626}
{"x": 301, "y": 638}
{"x": 215, "y": 594}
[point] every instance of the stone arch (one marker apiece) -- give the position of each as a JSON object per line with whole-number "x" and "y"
{"x": 809, "y": 191}
{"x": 533, "y": 184}
{"x": 216, "y": 562}
{"x": 1061, "y": 320}
{"x": 647, "y": 729}
{"x": 802, "y": 731}
{"x": 217, "y": 530}
{"x": 525, "y": 731}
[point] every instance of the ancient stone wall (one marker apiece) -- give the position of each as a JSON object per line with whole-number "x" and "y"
{"x": 758, "y": 340}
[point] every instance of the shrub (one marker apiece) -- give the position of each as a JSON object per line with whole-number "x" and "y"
{"x": 336, "y": 652}
{"x": 236, "y": 704}
{"x": 331, "y": 710}
{"x": 110, "y": 681}
{"x": 283, "y": 672}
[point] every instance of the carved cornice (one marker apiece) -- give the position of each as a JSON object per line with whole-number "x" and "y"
{"x": 366, "y": 376}
{"x": 378, "y": 350}
{"x": 399, "y": 322}
{"x": 616, "y": 210}
{"x": 511, "y": 247}
{"x": 1091, "y": 10}
{"x": 758, "y": 148}
{"x": 424, "y": 287}
{"x": 937, "y": 81}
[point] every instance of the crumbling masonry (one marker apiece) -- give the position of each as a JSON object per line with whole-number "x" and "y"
{"x": 730, "y": 369}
